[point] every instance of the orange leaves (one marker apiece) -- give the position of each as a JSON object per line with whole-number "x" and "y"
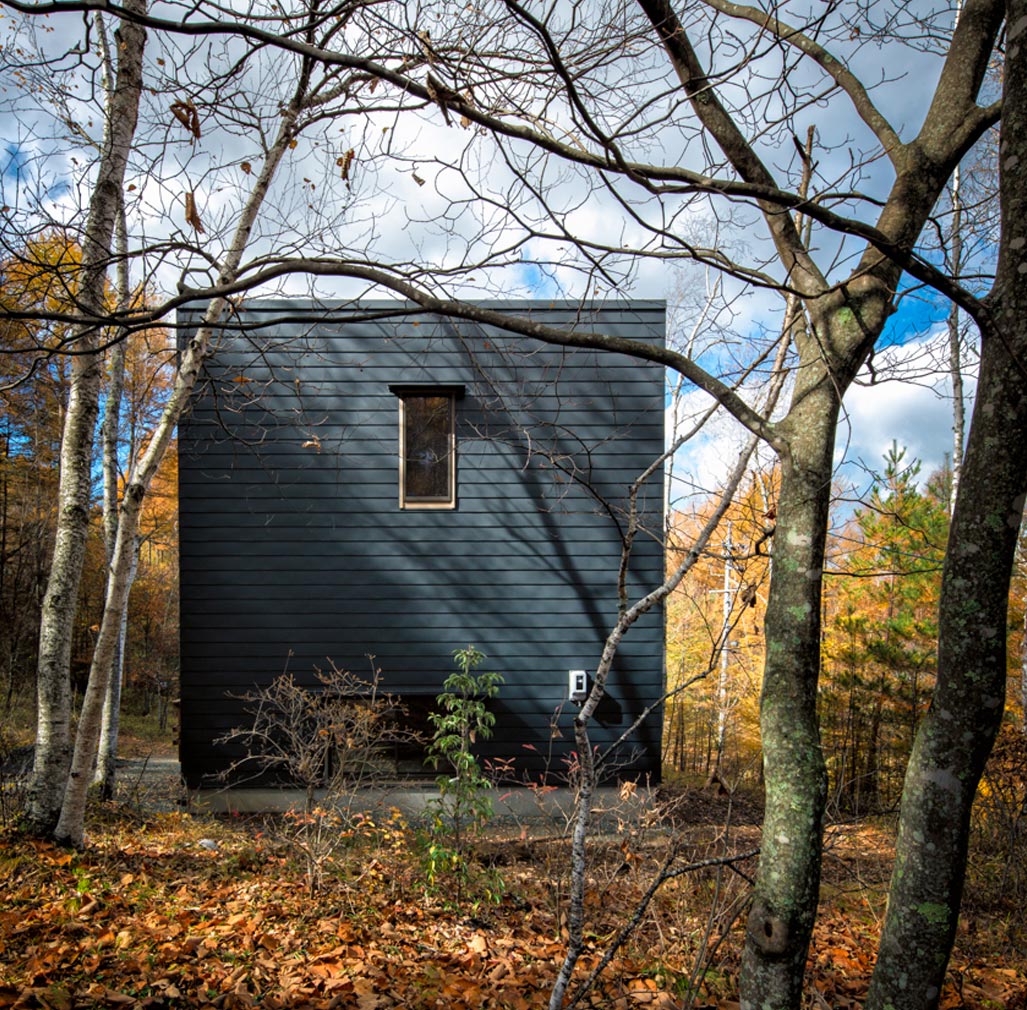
{"x": 169, "y": 924}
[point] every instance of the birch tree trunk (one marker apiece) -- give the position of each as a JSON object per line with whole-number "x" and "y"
{"x": 959, "y": 729}
{"x": 70, "y": 828}
{"x": 110, "y": 719}
{"x": 110, "y": 431}
{"x": 956, "y": 344}
{"x": 53, "y": 704}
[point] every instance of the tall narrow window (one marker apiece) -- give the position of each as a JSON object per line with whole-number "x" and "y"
{"x": 427, "y": 446}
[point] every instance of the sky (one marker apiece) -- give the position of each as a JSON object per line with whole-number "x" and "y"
{"x": 905, "y": 399}
{"x": 411, "y": 198}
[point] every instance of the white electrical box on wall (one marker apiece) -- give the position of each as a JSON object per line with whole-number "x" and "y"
{"x": 577, "y": 685}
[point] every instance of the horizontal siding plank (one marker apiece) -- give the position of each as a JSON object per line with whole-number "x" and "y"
{"x": 377, "y": 621}
{"x": 565, "y": 655}
{"x": 217, "y": 598}
{"x": 399, "y": 556}
{"x": 531, "y": 537}
{"x": 416, "y": 636}
{"x": 603, "y": 471}
{"x": 382, "y": 494}
{"x": 543, "y": 694}
{"x": 227, "y": 523}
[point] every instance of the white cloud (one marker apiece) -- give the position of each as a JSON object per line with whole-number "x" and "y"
{"x": 908, "y": 401}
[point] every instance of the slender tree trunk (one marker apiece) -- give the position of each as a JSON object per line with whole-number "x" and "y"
{"x": 70, "y": 828}
{"x": 713, "y": 772}
{"x": 53, "y": 679}
{"x": 957, "y": 733}
{"x": 1023, "y": 677}
{"x": 106, "y": 768}
{"x": 583, "y": 809}
{"x": 956, "y": 343}
{"x": 53, "y": 685}
{"x": 870, "y": 778}
{"x": 110, "y": 720}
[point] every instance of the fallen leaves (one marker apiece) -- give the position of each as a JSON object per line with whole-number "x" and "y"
{"x": 149, "y": 919}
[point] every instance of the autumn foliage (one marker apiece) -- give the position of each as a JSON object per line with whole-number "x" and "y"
{"x": 33, "y": 396}
{"x": 880, "y": 601}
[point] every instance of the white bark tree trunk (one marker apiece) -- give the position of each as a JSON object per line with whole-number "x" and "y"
{"x": 956, "y": 343}
{"x": 110, "y": 720}
{"x": 106, "y": 765}
{"x": 71, "y": 825}
{"x": 53, "y": 740}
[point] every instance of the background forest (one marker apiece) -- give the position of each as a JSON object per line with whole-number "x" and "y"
{"x": 879, "y": 639}
{"x": 33, "y": 403}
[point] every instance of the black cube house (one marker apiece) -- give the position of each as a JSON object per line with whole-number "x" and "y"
{"x": 362, "y": 480}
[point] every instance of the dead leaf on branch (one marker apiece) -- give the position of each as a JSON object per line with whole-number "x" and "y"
{"x": 192, "y": 215}
{"x": 345, "y": 163}
{"x": 187, "y": 114}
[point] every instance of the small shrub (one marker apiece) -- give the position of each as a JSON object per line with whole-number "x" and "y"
{"x": 463, "y": 808}
{"x": 15, "y": 766}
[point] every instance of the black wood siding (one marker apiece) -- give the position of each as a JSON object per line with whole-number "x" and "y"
{"x": 294, "y": 550}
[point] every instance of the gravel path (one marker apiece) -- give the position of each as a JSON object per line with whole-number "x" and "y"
{"x": 151, "y": 783}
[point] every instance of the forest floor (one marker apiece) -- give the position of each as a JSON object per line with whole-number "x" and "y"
{"x": 168, "y": 908}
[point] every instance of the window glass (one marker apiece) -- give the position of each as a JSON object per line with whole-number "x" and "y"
{"x": 427, "y": 451}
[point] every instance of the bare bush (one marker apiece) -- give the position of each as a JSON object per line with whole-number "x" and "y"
{"x": 998, "y": 863}
{"x": 331, "y": 740}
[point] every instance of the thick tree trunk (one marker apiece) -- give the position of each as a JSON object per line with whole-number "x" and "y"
{"x": 784, "y": 905}
{"x": 53, "y": 739}
{"x": 842, "y": 328}
{"x": 957, "y": 734}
